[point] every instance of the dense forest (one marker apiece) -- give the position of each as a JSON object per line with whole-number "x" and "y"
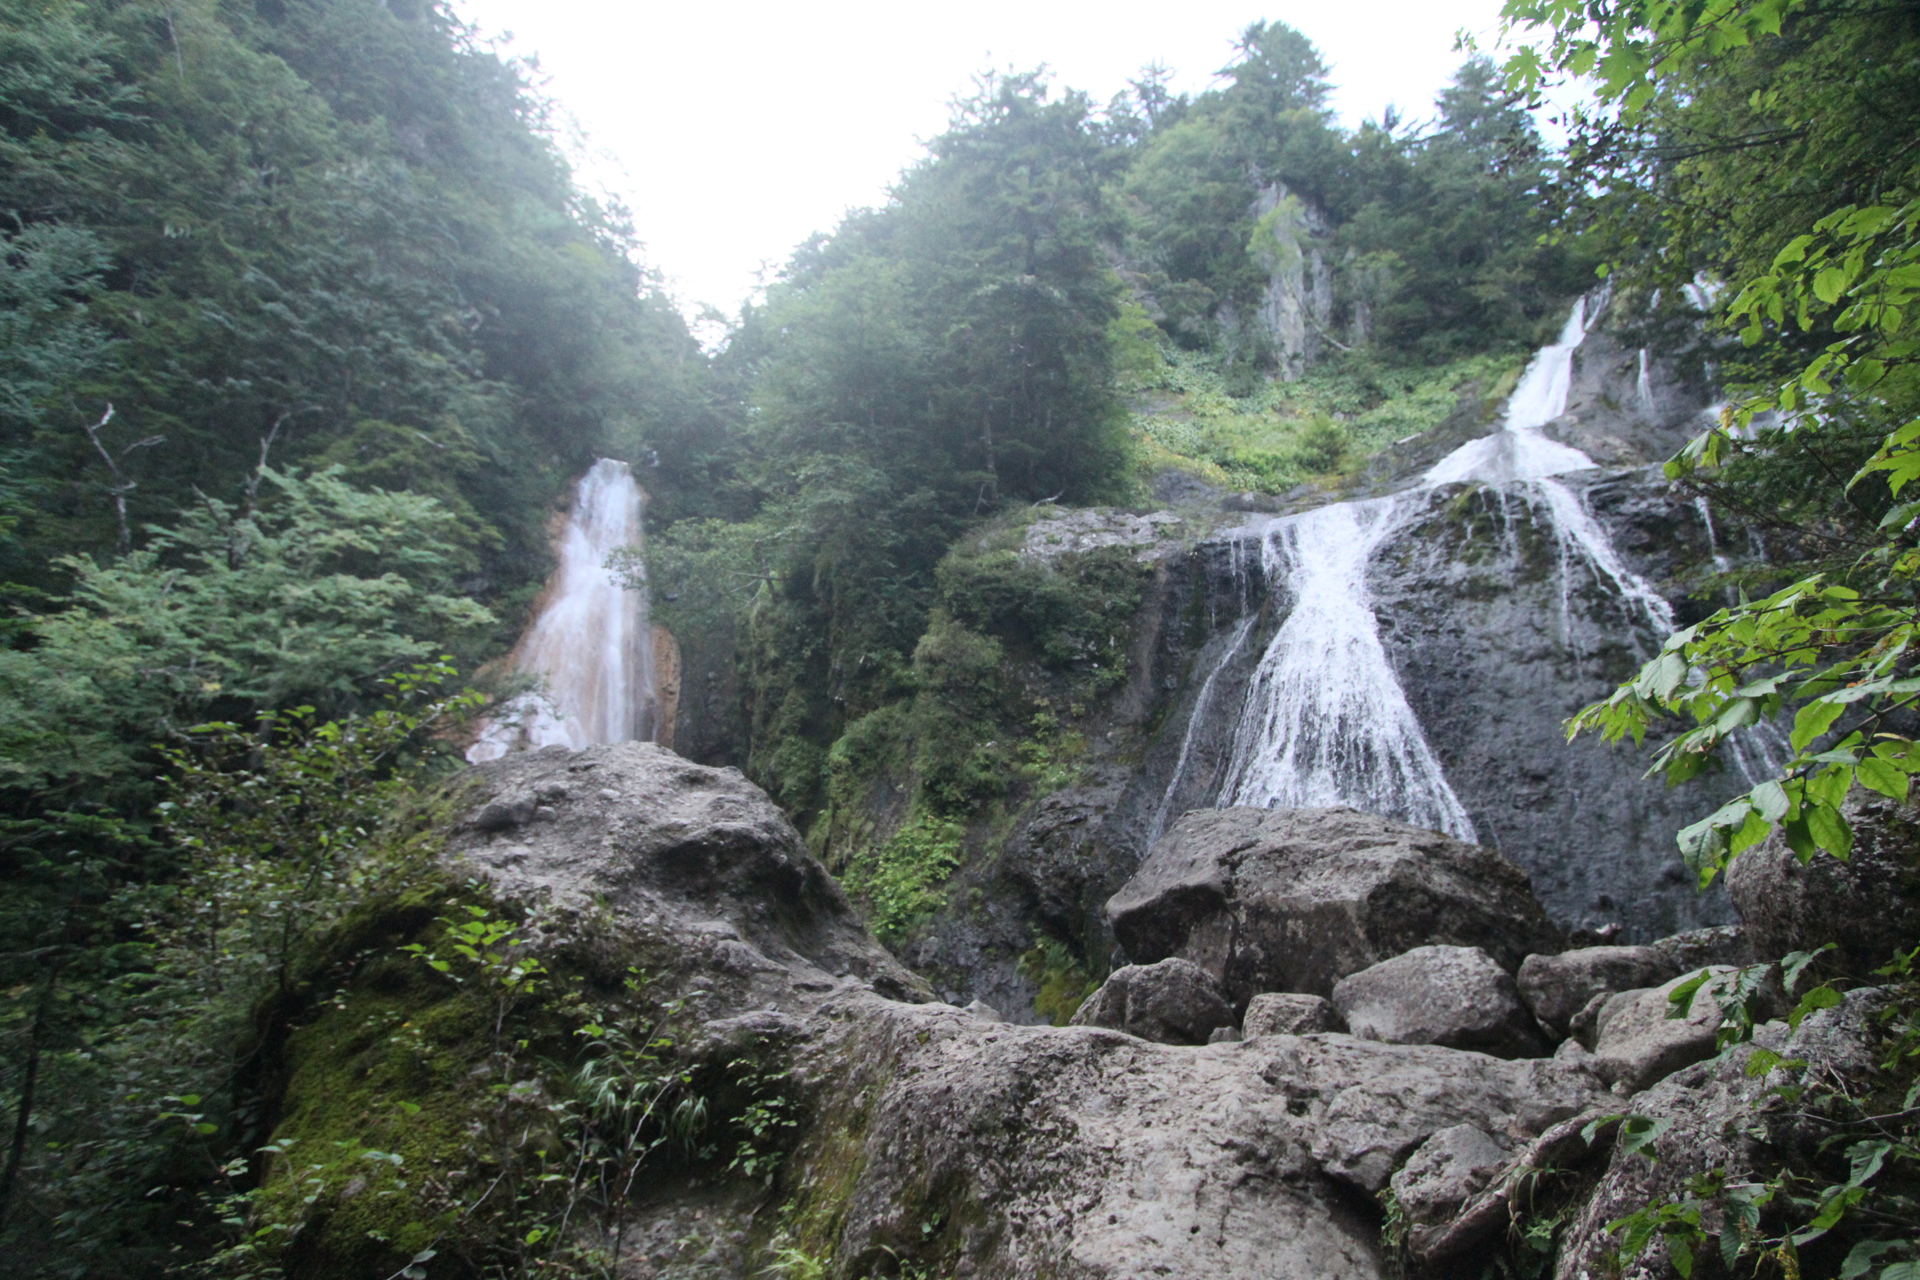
{"x": 305, "y": 326}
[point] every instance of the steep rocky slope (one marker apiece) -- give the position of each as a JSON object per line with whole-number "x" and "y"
{"x": 884, "y": 1134}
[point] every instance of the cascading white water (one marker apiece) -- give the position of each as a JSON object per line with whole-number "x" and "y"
{"x": 1326, "y": 722}
{"x": 590, "y": 646}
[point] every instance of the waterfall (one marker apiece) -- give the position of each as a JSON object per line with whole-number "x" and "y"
{"x": 590, "y": 645}
{"x": 1326, "y": 721}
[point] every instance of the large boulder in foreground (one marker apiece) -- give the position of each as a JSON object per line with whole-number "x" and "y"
{"x": 1869, "y": 904}
{"x": 1296, "y": 899}
{"x": 671, "y": 850}
{"x": 1452, "y": 996}
{"x": 1173, "y": 1002}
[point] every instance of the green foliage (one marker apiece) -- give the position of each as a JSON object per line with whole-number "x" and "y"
{"x": 298, "y": 598}
{"x": 1286, "y": 433}
{"x": 1062, "y": 978}
{"x": 285, "y": 828}
{"x": 901, "y": 880}
{"x": 1770, "y": 145}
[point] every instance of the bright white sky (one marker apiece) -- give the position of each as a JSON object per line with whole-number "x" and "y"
{"x": 734, "y": 130}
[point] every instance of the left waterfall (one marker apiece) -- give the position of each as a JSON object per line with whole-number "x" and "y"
{"x": 590, "y": 645}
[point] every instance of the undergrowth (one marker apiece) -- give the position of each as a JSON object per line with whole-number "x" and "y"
{"x": 1267, "y": 437}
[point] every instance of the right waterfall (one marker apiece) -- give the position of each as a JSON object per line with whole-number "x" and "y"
{"x": 1325, "y": 719}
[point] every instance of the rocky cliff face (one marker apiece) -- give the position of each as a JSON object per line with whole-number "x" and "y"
{"x": 1498, "y": 625}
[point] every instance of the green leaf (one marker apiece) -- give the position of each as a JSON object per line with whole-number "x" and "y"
{"x": 1821, "y": 997}
{"x": 1861, "y": 1258}
{"x": 1812, "y": 721}
{"x": 1770, "y": 801}
{"x": 1884, "y": 776}
{"x": 1638, "y": 1133}
{"x": 1830, "y": 830}
{"x": 1829, "y": 283}
{"x": 1680, "y": 999}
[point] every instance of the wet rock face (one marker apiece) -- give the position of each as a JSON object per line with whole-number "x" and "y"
{"x": 1296, "y": 899}
{"x": 1498, "y": 634}
{"x": 1869, "y": 905}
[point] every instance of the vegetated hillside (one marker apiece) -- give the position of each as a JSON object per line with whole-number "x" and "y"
{"x": 304, "y": 326}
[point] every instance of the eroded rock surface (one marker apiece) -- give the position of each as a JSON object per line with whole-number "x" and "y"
{"x": 1296, "y": 899}
{"x": 1637, "y": 1044}
{"x": 1281, "y": 1013}
{"x": 1452, "y": 996}
{"x": 918, "y": 1137}
{"x": 1436, "y": 1182}
{"x": 1173, "y": 1002}
{"x": 697, "y": 858}
{"x": 1558, "y": 987}
{"x": 1869, "y": 904}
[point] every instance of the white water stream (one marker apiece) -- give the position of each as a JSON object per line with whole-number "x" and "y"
{"x": 590, "y": 646}
{"x": 1326, "y": 721}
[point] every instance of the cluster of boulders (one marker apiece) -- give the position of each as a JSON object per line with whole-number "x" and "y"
{"x": 1246, "y": 924}
{"x": 1329, "y": 1008}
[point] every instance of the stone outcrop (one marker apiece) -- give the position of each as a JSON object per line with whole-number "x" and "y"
{"x": 1296, "y": 899}
{"x": 1173, "y": 1002}
{"x": 1452, "y": 996}
{"x": 673, "y": 850}
{"x": 1436, "y": 1182}
{"x": 1717, "y": 1116}
{"x": 1558, "y": 987}
{"x": 918, "y": 1137}
{"x": 1869, "y": 904}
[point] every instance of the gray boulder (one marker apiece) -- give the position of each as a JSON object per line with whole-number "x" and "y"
{"x": 1637, "y": 1044}
{"x": 1698, "y": 948}
{"x": 1558, "y": 987}
{"x": 696, "y": 861}
{"x": 1276, "y": 1013}
{"x": 1869, "y": 904}
{"x": 1717, "y": 1117}
{"x": 1436, "y": 1182}
{"x": 1363, "y": 1106}
{"x": 1451, "y": 996}
{"x": 1296, "y": 899}
{"x": 1173, "y": 1002}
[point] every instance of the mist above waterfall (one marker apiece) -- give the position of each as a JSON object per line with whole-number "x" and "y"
{"x": 590, "y": 644}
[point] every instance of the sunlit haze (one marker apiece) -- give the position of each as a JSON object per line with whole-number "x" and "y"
{"x": 734, "y": 131}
